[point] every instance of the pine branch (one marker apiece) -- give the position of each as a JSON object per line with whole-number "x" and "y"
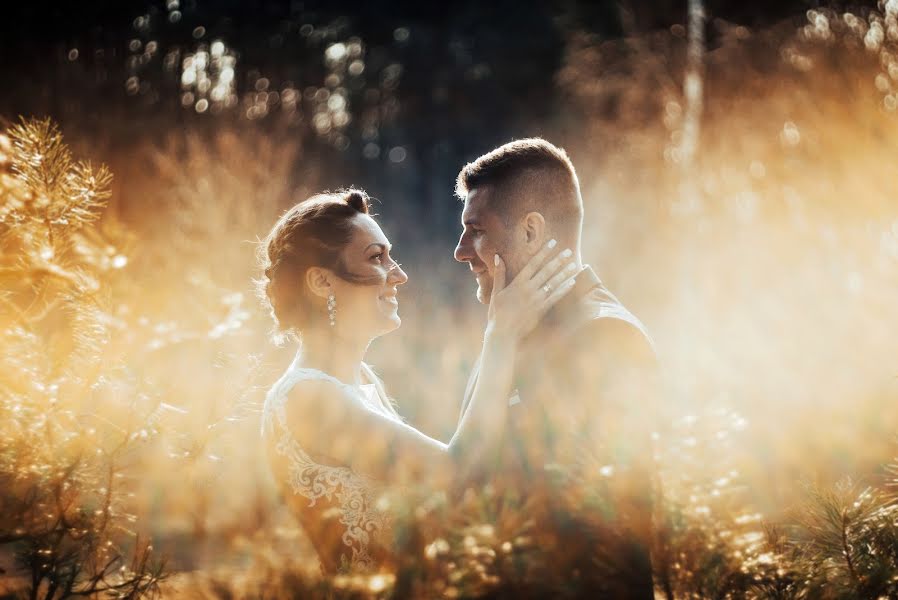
{"x": 60, "y": 192}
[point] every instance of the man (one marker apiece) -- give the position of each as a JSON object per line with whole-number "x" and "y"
{"x": 577, "y": 442}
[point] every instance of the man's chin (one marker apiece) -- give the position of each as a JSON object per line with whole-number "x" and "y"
{"x": 483, "y": 294}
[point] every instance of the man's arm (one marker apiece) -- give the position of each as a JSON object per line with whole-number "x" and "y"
{"x": 613, "y": 395}
{"x": 618, "y": 371}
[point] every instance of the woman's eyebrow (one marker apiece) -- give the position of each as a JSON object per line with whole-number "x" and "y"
{"x": 381, "y": 246}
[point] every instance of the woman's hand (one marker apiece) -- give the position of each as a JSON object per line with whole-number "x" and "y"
{"x": 515, "y": 309}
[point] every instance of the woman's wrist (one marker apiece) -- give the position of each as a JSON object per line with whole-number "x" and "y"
{"x": 498, "y": 338}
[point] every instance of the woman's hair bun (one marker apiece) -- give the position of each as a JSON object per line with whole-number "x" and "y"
{"x": 357, "y": 200}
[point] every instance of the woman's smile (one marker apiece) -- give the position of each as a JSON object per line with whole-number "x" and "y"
{"x": 390, "y": 297}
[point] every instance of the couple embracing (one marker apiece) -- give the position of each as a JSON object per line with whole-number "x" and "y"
{"x": 557, "y": 412}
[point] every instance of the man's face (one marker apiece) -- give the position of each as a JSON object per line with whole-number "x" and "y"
{"x": 485, "y": 234}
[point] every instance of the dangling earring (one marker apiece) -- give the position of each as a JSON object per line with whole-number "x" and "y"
{"x": 332, "y": 309}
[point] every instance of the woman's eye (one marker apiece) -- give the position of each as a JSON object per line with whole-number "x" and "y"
{"x": 378, "y": 257}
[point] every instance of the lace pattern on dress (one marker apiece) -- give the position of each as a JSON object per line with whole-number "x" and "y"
{"x": 356, "y": 494}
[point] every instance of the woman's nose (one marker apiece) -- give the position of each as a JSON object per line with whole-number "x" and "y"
{"x": 397, "y": 276}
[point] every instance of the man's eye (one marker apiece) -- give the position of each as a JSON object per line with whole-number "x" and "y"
{"x": 378, "y": 257}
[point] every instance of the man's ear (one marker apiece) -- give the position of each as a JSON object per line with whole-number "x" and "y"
{"x": 319, "y": 281}
{"x": 534, "y": 225}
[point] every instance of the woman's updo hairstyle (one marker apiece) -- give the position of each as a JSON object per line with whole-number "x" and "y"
{"x": 311, "y": 234}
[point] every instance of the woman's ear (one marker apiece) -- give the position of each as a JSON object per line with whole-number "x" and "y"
{"x": 534, "y": 231}
{"x": 319, "y": 281}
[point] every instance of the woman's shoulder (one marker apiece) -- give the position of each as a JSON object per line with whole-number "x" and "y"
{"x": 320, "y": 393}
{"x": 303, "y": 395}
{"x": 319, "y": 412}
{"x": 302, "y": 383}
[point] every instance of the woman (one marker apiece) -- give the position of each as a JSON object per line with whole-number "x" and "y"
{"x": 330, "y": 280}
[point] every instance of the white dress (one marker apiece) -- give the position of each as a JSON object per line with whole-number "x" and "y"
{"x": 353, "y": 494}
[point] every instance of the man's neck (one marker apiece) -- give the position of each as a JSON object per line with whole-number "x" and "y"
{"x": 333, "y": 354}
{"x": 585, "y": 281}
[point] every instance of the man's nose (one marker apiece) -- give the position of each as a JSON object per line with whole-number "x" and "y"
{"x": 462, "y": 250}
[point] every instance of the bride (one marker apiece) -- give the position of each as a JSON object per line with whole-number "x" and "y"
{"x": 331, "y": 282}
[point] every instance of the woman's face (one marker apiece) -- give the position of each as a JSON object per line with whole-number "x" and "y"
{"x": 370, "y": 308}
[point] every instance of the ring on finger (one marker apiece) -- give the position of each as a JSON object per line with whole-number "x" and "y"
{"x": 547, "y": 289}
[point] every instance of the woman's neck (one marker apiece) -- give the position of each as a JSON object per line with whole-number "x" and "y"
{"x": 337, "y": 356}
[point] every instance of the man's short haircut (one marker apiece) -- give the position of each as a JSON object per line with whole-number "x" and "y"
{"x": 528, "y": 175}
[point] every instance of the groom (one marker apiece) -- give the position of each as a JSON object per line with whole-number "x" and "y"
{"x": 577, "y": 442}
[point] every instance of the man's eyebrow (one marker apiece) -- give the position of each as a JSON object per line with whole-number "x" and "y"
{"x": 381, "y": 246}
{"x": 471, "y": 221}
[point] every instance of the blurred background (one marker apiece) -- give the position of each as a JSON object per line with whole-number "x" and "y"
{"x": 737, "y": 162}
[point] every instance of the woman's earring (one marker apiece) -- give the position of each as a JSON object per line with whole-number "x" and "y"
{"x": 332, "y": 309}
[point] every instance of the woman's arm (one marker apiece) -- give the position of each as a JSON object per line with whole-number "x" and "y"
{"x": 330, "y": 420}
{"x": 480, "y": 430}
